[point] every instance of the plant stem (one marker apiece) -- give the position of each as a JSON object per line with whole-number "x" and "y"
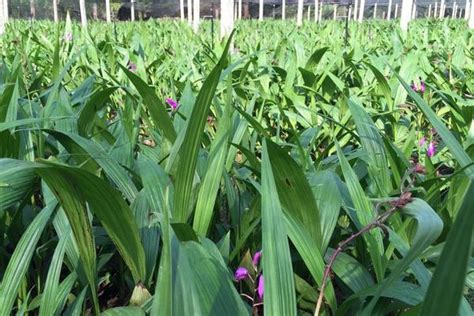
{"x": 404, "y": 198}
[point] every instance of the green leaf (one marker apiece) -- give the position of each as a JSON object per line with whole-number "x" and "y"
{"x": 350, "y": 271}
{"x": 157, "y": 195}
{"x": 315, "y": 58}
{"x": 324, "y": 185}
{"x": 48, "y": 299}
{"x": 294, "y": 192}
{"x": 64, "y": 290}
{"x": 90, "y": 149}
{"x": 215, "y": 167}
{"x": 278, "y": 272}
{"x": 451, "y": 270}
{"x": 70, "y": 198}
{"x": 189, "y": 149}
{"x": 311, "y": 256}
{"x": 373, "y": 146}
{"x": 16, "y": 181}
{"x": 155, "y": 106}
{"x": 365, "y": 214}
{"x": 429, "y": 228}
{"x": 20, "y": 260}
{"x": 75, "y": 309}
{"x": 85, "y": 122}
{"x": 202, "y": 284}
{"x": 70, "y": 186}
{"x": 384, "y": 86}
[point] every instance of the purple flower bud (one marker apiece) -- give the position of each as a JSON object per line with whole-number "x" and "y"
{"x": 172, "y": 103}
{"x": 431, "y": 150}
{"x": 422, "y": 87}
{"x": 260, "y": 287}
{"x": 132, "y": 67}
{"x": 419, "y": 168}
{"x": 413, "y": 87}
{"x": 68, "y": 37}
{"x": 256, "y": 258}
{"x": 422, "y": 141}
{"x": 241, "y": 273}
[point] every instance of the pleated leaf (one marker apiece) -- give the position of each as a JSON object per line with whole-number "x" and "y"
{"x": 279, "y": 297}
{"x": 365, "y": 214}
{"x": 189, "y": 150}
{"x": 20, "y": 260}
{"x": 154, "y": 105}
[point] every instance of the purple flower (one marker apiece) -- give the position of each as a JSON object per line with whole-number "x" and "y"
{"x": 419, "y": 168}
{"x": 418, "y": 88}
{"x": 132, "y": 67}
{"x": 172, "y": 103}
{"x": 241, "y": 273}
{"x": 431, "y": 150}
{"x": 256, "y": 258}
{"x": 422, "y": 141}
{"x": 422, "y": 87}
{"x": 68, "y": 37}
{"x": 260, "y": 287}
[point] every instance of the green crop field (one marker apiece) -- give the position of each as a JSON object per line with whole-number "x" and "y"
{"x": 145, "y": 169}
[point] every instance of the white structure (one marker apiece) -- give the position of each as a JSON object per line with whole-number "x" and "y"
{"x": 107, "y": 11}
{"x": 316, "y": 10}
{"x": 466, "y": 11}
{"x": 453, "y": 13}
{"x": 227, "y": 17}
{"x": 406, "y": 14}
{"x": 309, "y": 12}
{"x": 196, "y": 15}
{"x": 334, "y": 16}
{"x": 389, "y": 10}
{"x": 299, "y": 14}
{"x": 132, "y": 10}
{"x": 395, "y": 15}
{"x": 349, "y": 14}
{"x": 435, "y": 10}
{"x": 190, "y": 12}
{"x": 375, "y": 10}
{"x": 32, "y": 9}
{"x": 3, "y": 15}
{"x": 471, "y": 16}
{"x": 356, "y": 4}
{"x": 283, "y": 9}
{"x": 260, "y": 10}
{"x": 181, "y": 9}
{"x": 361, "y": 10}
{"x": 239, "y": 8}
{"x": 55, "y": 10}
{"x": 441, "y": 10}
{"x": 413, "y": 11}
{"x": 429, "y": 10}
{"x": 82, "y": 8}
{"x": 321, "y": 12}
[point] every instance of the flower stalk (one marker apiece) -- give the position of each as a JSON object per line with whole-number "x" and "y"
{"x": 399, "y": 203}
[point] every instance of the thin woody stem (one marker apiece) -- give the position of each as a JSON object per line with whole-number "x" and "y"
{"x": 404, "y": 198}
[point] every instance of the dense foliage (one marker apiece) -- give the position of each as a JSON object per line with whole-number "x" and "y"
{"x": 144, "y": 159}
